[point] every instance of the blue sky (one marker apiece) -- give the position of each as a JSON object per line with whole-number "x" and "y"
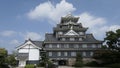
{"x": 23, "y": 19}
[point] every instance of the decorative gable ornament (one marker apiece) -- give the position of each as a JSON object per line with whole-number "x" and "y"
{"x": 71, "y": 32}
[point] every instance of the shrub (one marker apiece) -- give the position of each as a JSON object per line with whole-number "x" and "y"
{"x": 50, "y": 65}
{"x": 30, "y": 66}
{"x": 92, "y": 64}
{"x": 78, "y": 64}
{"x": 116, "y": 65}
{"x": 4, "y": 66}
{"x": 41, "y": 64}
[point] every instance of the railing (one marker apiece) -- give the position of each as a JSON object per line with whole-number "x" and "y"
{"x": 72, "y": 49}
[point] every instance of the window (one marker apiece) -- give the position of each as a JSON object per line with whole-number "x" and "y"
{"x": 60, "y": 33}
{"x": 50, "y": 53}
{"x": 84, "y": 53}
{"x": 59, "y": 53}
{"x": 63, "y": 39}
{"x": 65, "y": 53}
{"x": 80, "y": 39}
{"x": 73, "y": 53}
{"x": 76, "y": 46}
{"x": 72, "y": 39}
{"x": 81, "y": 33}
{"x": 50, "y": 45}
{"x": 93, "y": 46}
{"x": 84, "y": 46}
{"x": 66, "y": 45}
{"x": 58, "y": 45}
{"x": 99, "y": 45}
{"x": 91, "y": 53}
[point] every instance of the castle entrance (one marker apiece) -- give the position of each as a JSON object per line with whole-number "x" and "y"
{"x": 62, "y": 62}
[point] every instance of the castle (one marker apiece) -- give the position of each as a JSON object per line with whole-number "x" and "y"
{"x": 68, "y": 38}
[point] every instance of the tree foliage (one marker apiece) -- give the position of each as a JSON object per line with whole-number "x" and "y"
{"x": 107, "y": 56}
{"x": 112, "y": 38}
{"x": 79, "y": 62}
{"x": 3, "y": 55}
{"x": 44, "y": 58}
{"x": 11, "y": 60}
{"x": 111, "y": 53}
{"x": 79, "y": 57}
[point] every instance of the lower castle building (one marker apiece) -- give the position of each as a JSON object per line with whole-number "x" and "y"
{"x": 67, "y": 40}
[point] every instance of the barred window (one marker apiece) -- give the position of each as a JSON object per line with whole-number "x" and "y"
{"x": 59, "y": 53}
{"x": 50, "y": 45}
{"x": 50, "y": 53}
{"x": 84, "y": 53}
{"x": 73, "y": 53}
{"x": 72, "y": 39}
{"x": 93, "y": 46}
{"x": 65, "y": 53}
{"x": 84, "y": 46}
{"x": 76, "y": 46}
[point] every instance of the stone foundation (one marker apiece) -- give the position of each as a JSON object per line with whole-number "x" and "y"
{"x": 71, "y": 61}
{"x": 86, "y": 60}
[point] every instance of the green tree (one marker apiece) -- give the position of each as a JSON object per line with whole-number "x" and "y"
{"x": 79, "y": 57}
{"x": 107, "y": 56}
{"x": 44, "y": 58}
{"x": 11, "y": 60}
{"x": 79, "y": 62}
{"x": 111, "y": 53}
{"x": 112, "y": 39}
{"x": 3, "y": 55}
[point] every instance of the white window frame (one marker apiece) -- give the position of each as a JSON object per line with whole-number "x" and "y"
{"x": 65, "y": 53}
{"x": 72, "y": 39}
{"x": 81, "y": 33}
{"x": 59, "y": 54}
{"x": 91, "y": 53}
{"x": 99, "y": 45}
{"x": 73, "y": 53}
{"x": 66, "y": 45}
{"x": 63, "y": 39}
{"x": 60, "y": 33}
{"x": 76, "y": 46}
{"x": 50, "y": 53}
{"x": 58, "y": 45}
{"x": 93, "y": 46}
{"x": 50, "y": 46}
{"x": 80, "y": 39}
{"x": 84, "y": 53}
{"x": 84, "y": 45}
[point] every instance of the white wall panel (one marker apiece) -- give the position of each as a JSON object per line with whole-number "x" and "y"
{"x": 23, "y": 50}
{"x": 34, "y": 54}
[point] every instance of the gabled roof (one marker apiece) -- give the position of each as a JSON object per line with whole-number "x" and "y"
{"x": 37, "y": 44}
{"x": 71, "y": 32}
{"x": 89, "y": 39}
{"x": 68, "y": 18}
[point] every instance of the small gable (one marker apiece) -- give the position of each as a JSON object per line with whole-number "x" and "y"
{"x": 28, "y": 44}
{"x": 71, "y": 32}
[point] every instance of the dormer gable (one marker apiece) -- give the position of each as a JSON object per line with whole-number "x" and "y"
{"x": 71, "y": 32}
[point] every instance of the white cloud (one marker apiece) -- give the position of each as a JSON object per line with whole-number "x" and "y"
{"x": 14, "y": 42}
{"x": 32, "y": 35}
{"x": 7, "y": 33}
{"x": 90, "y": 21}
{"x": 97, "y": 25}
{"x": 50, "y": 11}
{"x": 113, "y": 28}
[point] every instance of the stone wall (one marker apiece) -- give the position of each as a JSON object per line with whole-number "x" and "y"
{"x": 71, "y": 61}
